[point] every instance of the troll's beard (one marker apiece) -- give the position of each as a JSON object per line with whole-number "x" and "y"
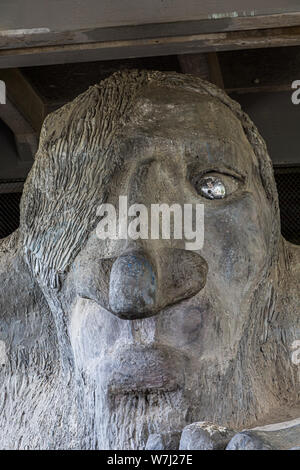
{"x": 125, "y": 421}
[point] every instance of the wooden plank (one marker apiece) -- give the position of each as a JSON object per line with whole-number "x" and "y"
{"x": 14, "y": 39}
{"x": 10, "y": 39}
{"x": 22, "y": 95}
{"x": 68, "y": 15}
{"x": 150, "y": 47}
{"x": 25, "y": 137}
{"x": 8, "y": 187}
{"x": 60, "y": 22}
{"x": 203, "y": 65}
{"x": 195, "y": 64}
{"x": 215, "y": 69}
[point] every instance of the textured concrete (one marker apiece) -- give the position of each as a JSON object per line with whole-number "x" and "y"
{"x": 167, "y": 441}
{"x": 205, "y": 436}
{"x": 284, "y": 438}
{"x": 93, "y": 360}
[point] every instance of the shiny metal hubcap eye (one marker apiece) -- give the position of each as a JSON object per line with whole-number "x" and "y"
{"x": 211, "y": 187}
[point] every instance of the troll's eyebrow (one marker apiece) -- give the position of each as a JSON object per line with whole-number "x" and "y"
{"x": 224, "y": 169}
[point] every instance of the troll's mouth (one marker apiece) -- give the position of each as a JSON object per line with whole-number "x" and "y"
{"x": 143, "y": 370}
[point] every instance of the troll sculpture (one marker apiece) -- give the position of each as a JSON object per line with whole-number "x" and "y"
{"x": 105, "y": 342}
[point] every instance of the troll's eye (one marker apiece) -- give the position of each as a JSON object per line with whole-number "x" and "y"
{"x": 215, "y": 185}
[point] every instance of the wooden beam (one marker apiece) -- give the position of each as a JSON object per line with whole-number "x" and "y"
{"x": 7, "y": 186}
{"x": 24, "y": 98}
{"x": 195, "y": 64}
{"x": 205, "y": 65}
{"x": 40, "y": 23}
{"x": 25, "y": 137}
{"x": 150, "y": 47}
{"x": 215, "y": 72}
{"x": 40, "y": 37}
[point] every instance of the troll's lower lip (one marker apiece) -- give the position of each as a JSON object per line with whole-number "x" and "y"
{"x": 140, "y": 369}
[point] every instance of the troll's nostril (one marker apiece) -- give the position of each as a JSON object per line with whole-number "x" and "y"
{"x": 133, "y": 286}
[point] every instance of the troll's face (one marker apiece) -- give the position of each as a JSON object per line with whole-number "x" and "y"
{"x": 156, "y": 328}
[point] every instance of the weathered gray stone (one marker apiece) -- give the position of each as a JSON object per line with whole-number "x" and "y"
{"x": 273, "y": 437}
{"x": 205, "y": 436}
{"x": 167, "y": 441}
{"x": 248, "y": 440}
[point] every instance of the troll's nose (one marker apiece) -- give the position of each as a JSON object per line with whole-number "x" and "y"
{"x": 142, "y": 284}
{"x": 133, "y": 286}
